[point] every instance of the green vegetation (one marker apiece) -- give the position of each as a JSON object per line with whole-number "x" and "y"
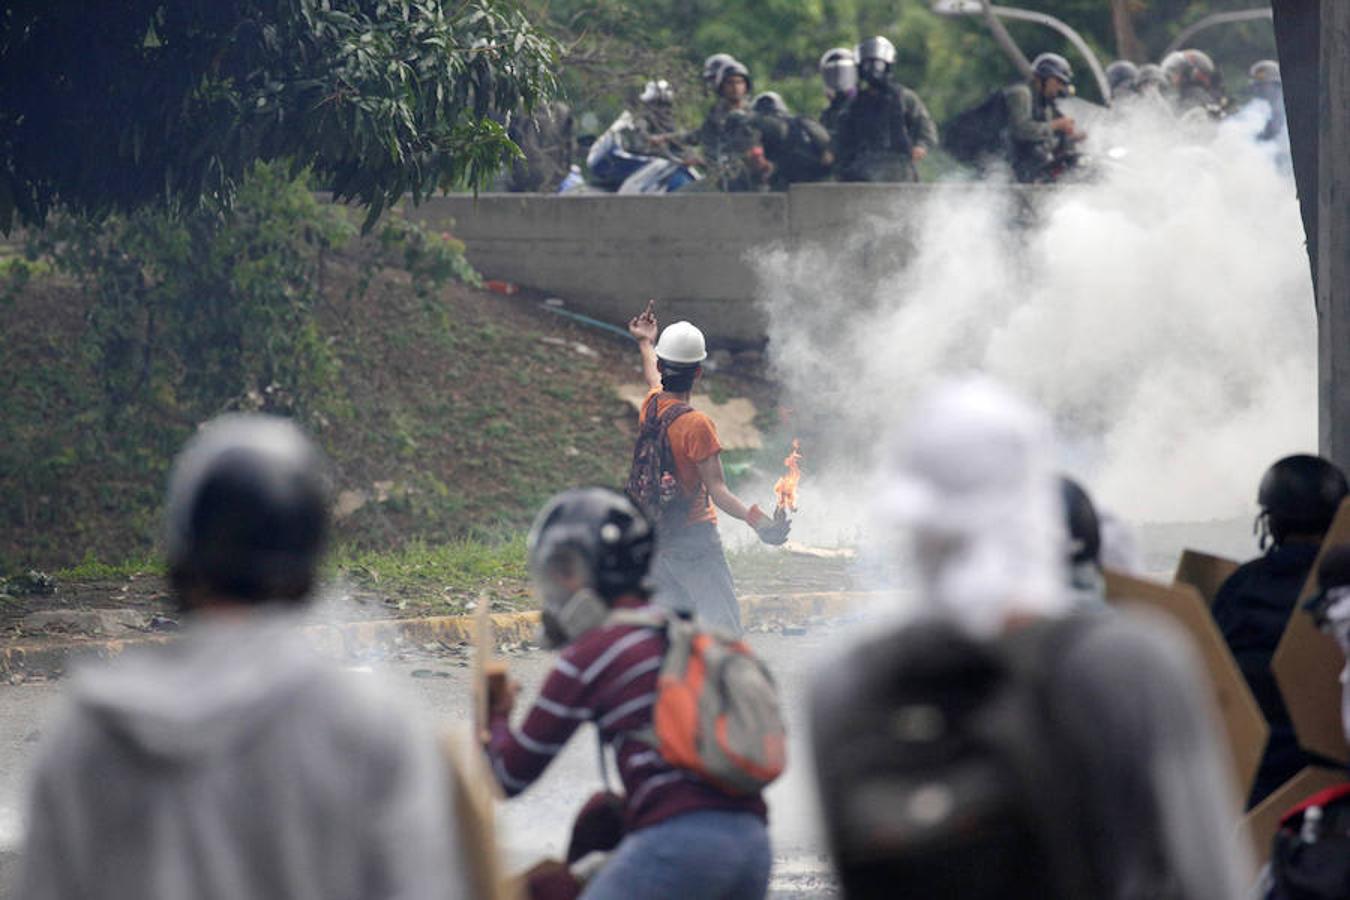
{"x": 112, "y": 107}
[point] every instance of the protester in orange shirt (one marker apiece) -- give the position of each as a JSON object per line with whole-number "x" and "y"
{"x": 690, "y": 570}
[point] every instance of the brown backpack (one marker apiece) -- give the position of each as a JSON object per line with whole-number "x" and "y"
{"x": 651, "y": 481}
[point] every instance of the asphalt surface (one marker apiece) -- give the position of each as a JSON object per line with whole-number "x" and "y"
{"x": 534, "y": 825}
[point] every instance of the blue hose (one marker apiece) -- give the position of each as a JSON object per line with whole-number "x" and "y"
{"x": 587, "y": 320}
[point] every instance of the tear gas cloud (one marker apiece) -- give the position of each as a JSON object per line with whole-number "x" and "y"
{"x": 1162, "y": 314}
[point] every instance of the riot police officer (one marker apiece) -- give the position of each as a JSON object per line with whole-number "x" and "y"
{"x": 885, "y": 129}
{"x": 1041, "y": 137}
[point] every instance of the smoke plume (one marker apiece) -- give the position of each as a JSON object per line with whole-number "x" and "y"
{"x": 1162, "y": 313}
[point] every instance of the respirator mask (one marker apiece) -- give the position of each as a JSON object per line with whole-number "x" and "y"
{"x": 570, "y": 605}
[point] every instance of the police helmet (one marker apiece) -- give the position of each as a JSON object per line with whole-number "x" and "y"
{"x": 587, "y": 547}
{"x": 1264, "y": 71}
{"x": 1081, "y": 522}
{"x": 658, "y": 91}
{"x": 734, "y": 67}
{"x": 1187, "y": 66}
{"x": 1150, "y": 75}
{"x": 1052, "y": 65}
{"x": 1300, "y": 495}
{"x": 876, "y": 48}
{"x": 770, "y": 103}
{"x": 247, "y": 511}
{"x": 712, "y": 68}
{"x": 1121, "y": 76}
{"x": 839, "y": 70}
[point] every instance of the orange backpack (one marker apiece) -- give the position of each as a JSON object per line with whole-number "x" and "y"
{"x": 717, "y": 712}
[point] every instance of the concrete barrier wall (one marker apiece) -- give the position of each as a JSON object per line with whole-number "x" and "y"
{"x": 605, "y": 254}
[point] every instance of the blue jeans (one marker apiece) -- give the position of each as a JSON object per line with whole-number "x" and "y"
{"x": 706, "y": 855}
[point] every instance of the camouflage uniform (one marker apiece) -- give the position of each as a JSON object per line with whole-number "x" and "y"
{"x": 1034, "y": 145}
{"x": 797, "y": 147}
{"x": 728, "y": 135}
{"x": 878, "y": 130}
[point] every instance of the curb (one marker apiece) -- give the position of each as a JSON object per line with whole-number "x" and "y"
{"x": 370, "y": 639}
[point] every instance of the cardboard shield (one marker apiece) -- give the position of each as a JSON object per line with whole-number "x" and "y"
{"x": 1259, "y": 825}
{"x": 1244, "y": 725}
{"x": 1204, "y": 572}
{"x": 1307, "y": 666}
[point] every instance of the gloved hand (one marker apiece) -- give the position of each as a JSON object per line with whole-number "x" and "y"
{"x": 772, "y": 531}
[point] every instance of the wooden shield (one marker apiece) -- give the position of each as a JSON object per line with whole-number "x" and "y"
{"x": 1263, "y": 821}
{"x": 1204, "y": 572}
{"x": 1307, "y": 666}
{"x": 1242, "y": 720}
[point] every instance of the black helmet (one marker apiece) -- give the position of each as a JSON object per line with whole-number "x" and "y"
{"x": 1080, "y": 520}
{"x": 1052, "y": 65}
{"x": 247, "y": 511}
{"x": 734, "y": 68}
{"x": 1121, "y": 76}
{"x": 1300, "y": 495}
{"x": 587, "y": 547}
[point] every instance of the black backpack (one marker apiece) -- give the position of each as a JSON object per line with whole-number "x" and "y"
{"x": 940, "y": 771}
{"x": 979, "y": 133}
{"x": 1317, "y": 869}
{"x": 806, "y": 142}
{"x": 651, "y": 481}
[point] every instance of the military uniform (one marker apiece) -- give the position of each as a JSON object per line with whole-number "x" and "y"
{"x": 834, "y": 112}
{"x": 728, "y": 135}
{"x": 797, "y": 146}
{"x": 1033, "y": 144}
{"x": 878, "y": 130}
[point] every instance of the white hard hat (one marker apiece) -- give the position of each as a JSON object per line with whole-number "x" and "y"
{"x": 682, "y": 343}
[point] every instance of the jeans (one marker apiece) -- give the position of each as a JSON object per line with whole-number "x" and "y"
{"x": 706, "y": 855}
{"x": 691, "y": 574}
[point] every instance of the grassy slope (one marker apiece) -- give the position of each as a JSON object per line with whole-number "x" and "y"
{"x": 455, "y": 418}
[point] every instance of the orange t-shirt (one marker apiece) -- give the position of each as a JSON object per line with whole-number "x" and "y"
{"x": 693, "y": 439}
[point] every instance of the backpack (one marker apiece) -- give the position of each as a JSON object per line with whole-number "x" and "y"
{"x": 717, "y": 712}
{"x": 978, "y": 133}
{"x": 940, "y": 771}
{"x": 806, "y": 142}
{"x": 651, "y": 481}
{"x": 1319, "y": 868}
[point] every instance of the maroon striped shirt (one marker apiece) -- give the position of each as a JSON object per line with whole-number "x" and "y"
{"x": 608, "y": 677}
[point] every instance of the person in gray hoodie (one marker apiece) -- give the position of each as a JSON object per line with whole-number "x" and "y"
{"x": 232, "y": 763}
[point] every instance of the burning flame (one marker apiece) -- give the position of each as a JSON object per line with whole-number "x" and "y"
{"x": 786, "y": 487}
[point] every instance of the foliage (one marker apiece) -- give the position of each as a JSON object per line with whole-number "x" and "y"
{"x": 196, "y": 313}
{"x": 107, "y": 107}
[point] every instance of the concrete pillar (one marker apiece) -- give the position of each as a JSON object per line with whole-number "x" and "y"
{"x": 1333, "y": 231}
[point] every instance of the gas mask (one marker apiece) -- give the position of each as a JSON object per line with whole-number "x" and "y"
{"x": 571, "y": 606}
{"x": 874, "y": 70}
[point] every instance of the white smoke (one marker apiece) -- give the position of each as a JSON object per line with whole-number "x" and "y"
{"x": 1162, "y": 314}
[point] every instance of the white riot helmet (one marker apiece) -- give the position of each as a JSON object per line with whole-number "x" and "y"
{"x": 876, "y": 55}
{"x": 770, "y": 103}
{"x": 712, "y": 69}
{"x": 682, "y": 344}
{"x": 658, "y": 91}
{"x": 973, "y": 481}
{"x": 839, "y": 70}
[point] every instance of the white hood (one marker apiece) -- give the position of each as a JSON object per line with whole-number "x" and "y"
{"x": 973, "y": 482}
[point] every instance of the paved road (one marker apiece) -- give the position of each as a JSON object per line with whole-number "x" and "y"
{"x": 535, "y": 824}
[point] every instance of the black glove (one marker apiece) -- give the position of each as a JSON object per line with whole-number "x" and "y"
{"x": 772, "y": 531}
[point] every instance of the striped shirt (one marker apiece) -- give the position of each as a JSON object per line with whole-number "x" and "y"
{"x": 607, "y": 676}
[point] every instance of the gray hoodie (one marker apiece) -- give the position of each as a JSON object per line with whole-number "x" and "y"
{"x": 234, "y": 764}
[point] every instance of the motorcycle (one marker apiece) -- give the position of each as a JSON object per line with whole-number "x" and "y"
{"x": 616, "y": 170}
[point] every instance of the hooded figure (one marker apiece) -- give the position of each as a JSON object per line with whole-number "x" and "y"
{"x": 1127, "y": 738}
{"x": 232, "y": 763}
